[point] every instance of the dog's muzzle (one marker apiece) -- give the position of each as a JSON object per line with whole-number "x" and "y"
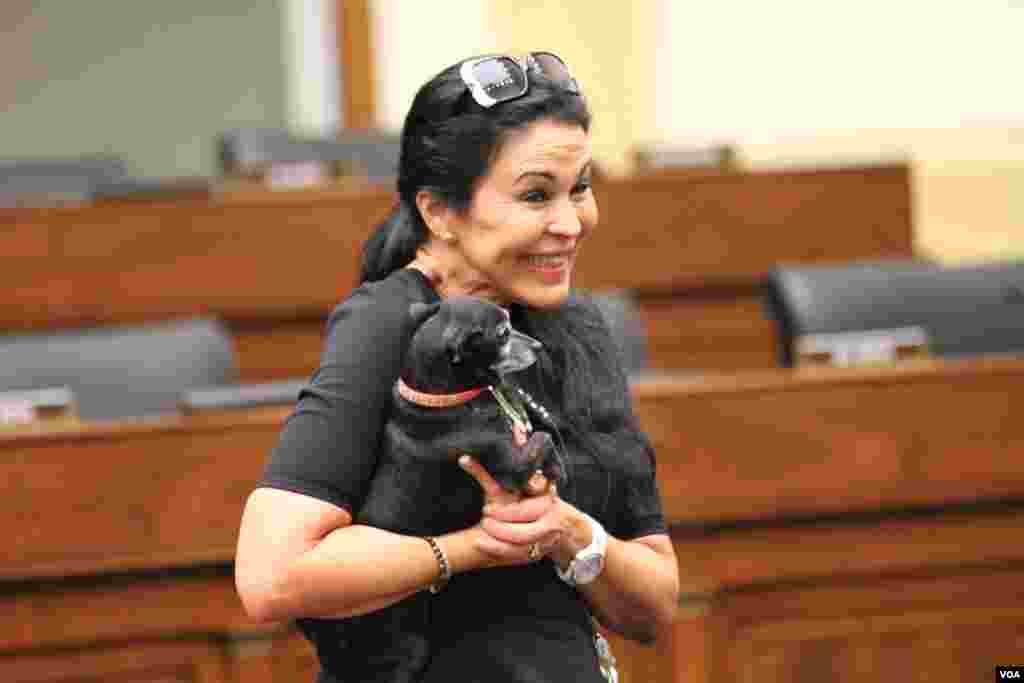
{"x": 518, "y": 353}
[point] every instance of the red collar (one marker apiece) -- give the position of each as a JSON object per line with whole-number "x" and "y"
{"x": 435, "y": 400}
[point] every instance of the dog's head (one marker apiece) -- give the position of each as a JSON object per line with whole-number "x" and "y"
{"x": 464, "y": 342}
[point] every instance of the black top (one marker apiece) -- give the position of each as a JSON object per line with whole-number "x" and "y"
{"x": 510, "y": 624}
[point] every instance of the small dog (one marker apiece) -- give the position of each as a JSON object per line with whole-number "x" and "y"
{"x": 454, "y": 397}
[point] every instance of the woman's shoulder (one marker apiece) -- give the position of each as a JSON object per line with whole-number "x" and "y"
{"x": 384, "y": 302}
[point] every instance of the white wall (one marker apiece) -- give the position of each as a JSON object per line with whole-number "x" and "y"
{"x": 795, "y": 82}
{"x": 414, "y": 40}
{"x": 757, "y": 72}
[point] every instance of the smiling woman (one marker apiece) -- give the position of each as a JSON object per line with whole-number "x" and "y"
{"x": 528, "y": 217}
{"x": 494, "y": 201}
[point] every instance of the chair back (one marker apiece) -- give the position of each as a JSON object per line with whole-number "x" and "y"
{"x": 121, "y": 372}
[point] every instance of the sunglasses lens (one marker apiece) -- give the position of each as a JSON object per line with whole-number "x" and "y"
{"x": 555, "y": 69}
{"x": 500, "y": 77}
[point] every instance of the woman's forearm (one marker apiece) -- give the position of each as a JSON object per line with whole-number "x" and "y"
{"x": 359, "y": 569}
{"x": 638, "y": 589}
{"x": 637, "y": 594}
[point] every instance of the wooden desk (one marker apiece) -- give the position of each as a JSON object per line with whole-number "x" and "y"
{"x": 866, "y": 517}
{"x": 274, "y": 264}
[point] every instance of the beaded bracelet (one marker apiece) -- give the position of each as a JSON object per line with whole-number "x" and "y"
{"x": 442, "y": 561}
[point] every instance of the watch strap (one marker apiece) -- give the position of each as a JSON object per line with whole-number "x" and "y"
{"x": 598, "y": 545}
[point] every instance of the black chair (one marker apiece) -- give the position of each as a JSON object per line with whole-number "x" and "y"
{"x": 282, "y": 393}
{"x": 43, "y": 181}
{"x": 251, "y": 151}
{"x": 953, "y": 311}
{"x": 122, "y": 372}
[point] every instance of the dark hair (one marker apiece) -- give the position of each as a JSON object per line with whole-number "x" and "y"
{"x": 448, "y": 145}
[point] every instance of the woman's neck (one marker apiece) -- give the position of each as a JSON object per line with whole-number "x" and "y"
{"x": 450, "y": 275}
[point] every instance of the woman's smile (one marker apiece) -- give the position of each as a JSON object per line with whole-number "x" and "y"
{"x": 551, "y": 268}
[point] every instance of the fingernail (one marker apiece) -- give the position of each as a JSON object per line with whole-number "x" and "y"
{"x": 464, "y": 461}
{"x": 488, "y": 509}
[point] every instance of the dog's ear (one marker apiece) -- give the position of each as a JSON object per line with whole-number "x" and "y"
{"x": 454, "y": 338}
{"x": 419, "y": 312}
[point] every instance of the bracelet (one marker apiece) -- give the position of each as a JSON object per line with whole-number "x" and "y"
{"x": 442, "y": 561}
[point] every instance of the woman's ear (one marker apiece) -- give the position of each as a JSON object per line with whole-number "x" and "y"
{"x": 436, "y": 214}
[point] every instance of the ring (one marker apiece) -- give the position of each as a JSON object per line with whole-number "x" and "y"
{"x": 534, "y": 552}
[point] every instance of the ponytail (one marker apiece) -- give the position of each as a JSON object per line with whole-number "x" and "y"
{"x": 392, "y": 245}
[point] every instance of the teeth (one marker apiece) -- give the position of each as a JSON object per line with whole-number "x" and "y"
{"x": 545, "y": 260}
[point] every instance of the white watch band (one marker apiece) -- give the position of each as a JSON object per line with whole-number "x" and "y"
{"x": 589, "y": 562}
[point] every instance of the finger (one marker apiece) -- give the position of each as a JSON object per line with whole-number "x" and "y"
{"x": 491, "y": 488}
{"x": 538, "y": 484}
{"x": 502, "y": 552}
{"x": 522, "y": 534}
{"x": 526, "y": 510}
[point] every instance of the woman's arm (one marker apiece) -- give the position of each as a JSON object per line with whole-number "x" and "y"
{"x": 298, "y": 556}
{"x": 637, "y": 592}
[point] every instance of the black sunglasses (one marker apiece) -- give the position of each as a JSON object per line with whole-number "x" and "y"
{"x": 498, "y": 78}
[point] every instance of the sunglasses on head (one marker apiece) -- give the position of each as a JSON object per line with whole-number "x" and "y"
{"x": 499, "y": 78}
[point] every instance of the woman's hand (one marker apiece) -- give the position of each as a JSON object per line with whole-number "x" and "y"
{"x": 517, "y": 529}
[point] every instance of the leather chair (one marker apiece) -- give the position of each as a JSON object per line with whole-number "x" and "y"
{"x": 121, "y": 372}
{"x": 959, "y": 310}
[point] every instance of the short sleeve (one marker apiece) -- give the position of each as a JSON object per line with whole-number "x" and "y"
{"x": 329, "y": 445}
{"x": 636, "y": 503}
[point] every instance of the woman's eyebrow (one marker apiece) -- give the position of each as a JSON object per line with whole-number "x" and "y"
{"x": 547, "y": 175}
{"x": 540, "y": 174}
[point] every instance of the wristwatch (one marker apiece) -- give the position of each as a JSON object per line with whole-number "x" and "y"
{"x": 589, "y": 562}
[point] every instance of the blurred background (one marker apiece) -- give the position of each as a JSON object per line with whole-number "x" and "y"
{"x": 791, "y": 82}
{"x": 811, "y": 253}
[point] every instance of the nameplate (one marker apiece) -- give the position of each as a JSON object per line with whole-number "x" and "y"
{"x": 20, "y": 408}
{"x": 16, "y": 412}
{"x": 864, "y": 347}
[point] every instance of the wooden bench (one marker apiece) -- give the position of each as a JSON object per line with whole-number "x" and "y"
{"x": 274, "y": 264}
{"x": 862, "y": 519}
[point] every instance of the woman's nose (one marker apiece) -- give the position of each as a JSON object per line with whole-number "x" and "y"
{"x": 568, "y": 222}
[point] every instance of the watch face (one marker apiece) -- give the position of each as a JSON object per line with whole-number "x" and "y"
{"x": 587, "y": 568}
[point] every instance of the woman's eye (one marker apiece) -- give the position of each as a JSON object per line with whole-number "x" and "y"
{"x": 581, "y": 187}
{"x": 535, "y": 196}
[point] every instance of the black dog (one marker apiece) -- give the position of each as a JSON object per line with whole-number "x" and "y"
{"x": 455, "y": 396}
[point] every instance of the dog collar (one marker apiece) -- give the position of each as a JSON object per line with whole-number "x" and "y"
{"x": 435, "y": 400}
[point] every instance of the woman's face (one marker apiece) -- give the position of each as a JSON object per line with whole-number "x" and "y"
{"x": 529, "y": 215}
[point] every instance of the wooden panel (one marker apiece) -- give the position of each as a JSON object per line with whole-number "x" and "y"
{"x": 785, "y": 442}
{"x": 274, "y": 263}
{"x": 84, "y": 610}
{"x": 293, "y": 255}
{"x": 133, "y": 495}
{"x": 711, "y": 562}
{"x": 355, "y": 49}
{"x": 705, "y": 331}
{"x": 763, "y": 445}
{"x": 942, "y": 628}
{"x": 279, "y": 657}
{"x": 282, "y": 259}
{"x": 134, "y": 662}
{"x": 666, "y": 233}
{"x": 709, "y": 329}
{"x": 787, "y": 598}
{"x": 273, "y": 350}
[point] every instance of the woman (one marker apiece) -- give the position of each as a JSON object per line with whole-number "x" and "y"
{"x": 495, "y": 201}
